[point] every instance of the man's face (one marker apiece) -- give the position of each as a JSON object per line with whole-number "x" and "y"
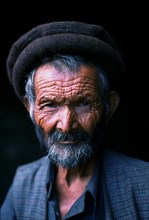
{"x": 68, "y": 110}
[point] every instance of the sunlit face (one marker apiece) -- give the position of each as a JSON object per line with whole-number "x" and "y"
{"x": 66, "y": 103}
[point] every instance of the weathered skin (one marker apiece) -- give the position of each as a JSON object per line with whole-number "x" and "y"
{"x": 68, "y": 101}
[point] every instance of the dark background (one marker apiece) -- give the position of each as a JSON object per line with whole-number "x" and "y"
{"x": 128, "y": 130}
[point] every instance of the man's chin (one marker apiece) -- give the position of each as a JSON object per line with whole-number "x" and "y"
{"x": 69, "y": 155}
{"x": 70, "y": 163}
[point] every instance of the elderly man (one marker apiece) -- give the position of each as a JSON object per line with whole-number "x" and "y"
{"x": 64, "y": 73}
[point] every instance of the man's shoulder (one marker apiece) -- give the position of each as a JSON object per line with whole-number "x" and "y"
{"x": 33, "y": 165}
{"x": 33, "y": 171}
{"x": 29, "y": 187}
{"x": 126, "y": 185}
{"x": 118, "y": 159}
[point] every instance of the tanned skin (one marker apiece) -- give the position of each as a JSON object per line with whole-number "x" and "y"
{"x": 68, "y": 102}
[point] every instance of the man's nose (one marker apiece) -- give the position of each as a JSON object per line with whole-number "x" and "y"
{"x": 67, "y": 121}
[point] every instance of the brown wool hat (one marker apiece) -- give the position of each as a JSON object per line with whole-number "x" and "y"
{"x": 64, "y": 37}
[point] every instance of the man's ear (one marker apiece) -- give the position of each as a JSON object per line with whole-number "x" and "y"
{"x": 26, "y": 103}
{"x": 114, "y": 100}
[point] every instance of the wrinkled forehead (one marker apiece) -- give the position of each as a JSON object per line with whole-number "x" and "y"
{"x": 48, "y": 79}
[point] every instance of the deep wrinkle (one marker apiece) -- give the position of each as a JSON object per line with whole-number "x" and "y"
{"x": 69, "y": 90}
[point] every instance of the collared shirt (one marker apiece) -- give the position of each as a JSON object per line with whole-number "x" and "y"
{"x": 88, "y": 207}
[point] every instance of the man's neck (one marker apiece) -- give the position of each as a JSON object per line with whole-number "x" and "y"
{"x": 71, "y": 183}
{"x": 80, "y": 173}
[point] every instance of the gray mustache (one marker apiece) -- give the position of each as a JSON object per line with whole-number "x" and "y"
{"x": 57, "y": 136}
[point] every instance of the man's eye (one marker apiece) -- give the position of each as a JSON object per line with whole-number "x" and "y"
{"x": 85, "y": 103}
{"x": 51, "y": 105}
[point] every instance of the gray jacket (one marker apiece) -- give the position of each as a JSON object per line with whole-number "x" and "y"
{"x": 125, "y": 186}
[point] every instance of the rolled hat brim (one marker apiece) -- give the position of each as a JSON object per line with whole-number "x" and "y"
{"x": 91, "y": 41}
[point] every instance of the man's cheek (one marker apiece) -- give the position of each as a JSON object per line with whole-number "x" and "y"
{"x": 40, "y": 117}
{"x": 89, "y": 121}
